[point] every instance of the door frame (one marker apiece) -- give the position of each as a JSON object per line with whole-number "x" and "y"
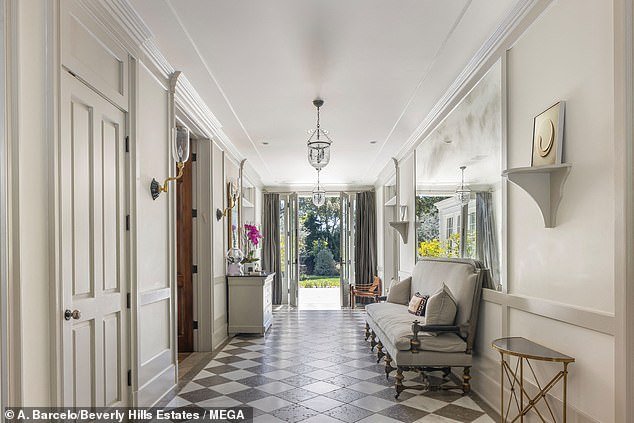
{"x": 10, "y": 349}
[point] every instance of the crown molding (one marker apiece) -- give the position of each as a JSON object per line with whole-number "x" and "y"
{"x": 124, "y": 23}
{"x": 507, "y": 33}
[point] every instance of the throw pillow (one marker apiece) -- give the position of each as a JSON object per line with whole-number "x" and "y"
{"x": 417, "y": 304}
{"x": 399, "y": 292}
{"x": 441, "y": 308}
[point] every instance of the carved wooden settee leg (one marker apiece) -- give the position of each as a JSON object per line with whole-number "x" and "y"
{"x": 388, "y": 366}
{"x": 380, "y": 354}
{"x": 446, "y": 371}
{"x": 466, "y": 377}
{"x": 399, "y": 382}
{"x": 372, "y": 340}
{"x": 367, "y": 331}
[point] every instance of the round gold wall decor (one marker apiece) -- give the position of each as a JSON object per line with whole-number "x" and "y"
{"x": 546, "y": 137}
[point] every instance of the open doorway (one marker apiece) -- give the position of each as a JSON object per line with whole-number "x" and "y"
{"x": 185, "y": 206}
{"x": 319, "y": 254}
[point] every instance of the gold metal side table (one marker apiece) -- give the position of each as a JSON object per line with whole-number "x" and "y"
{"x": 525, "y": 351}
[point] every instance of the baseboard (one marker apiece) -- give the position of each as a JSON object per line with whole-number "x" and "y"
{"x": 220, "y": 335}
{"x": 154, "y": 390}
{"x": 485, "y": 382}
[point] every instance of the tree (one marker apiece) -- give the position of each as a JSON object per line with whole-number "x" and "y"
{"x": 319, "y": 228}
{"x": 325, "y": 263}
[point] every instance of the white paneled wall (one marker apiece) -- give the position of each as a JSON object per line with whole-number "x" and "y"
{"x": 561, "y": 282}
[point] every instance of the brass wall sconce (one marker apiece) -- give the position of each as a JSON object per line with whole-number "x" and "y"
{"x": 180, "y": 154}
{"x": 232, "y": 197}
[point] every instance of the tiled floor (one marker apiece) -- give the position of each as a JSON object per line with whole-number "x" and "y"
{"x": 315, "y": 366}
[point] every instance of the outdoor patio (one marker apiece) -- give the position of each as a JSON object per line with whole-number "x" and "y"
{"x": 319, "y": 299}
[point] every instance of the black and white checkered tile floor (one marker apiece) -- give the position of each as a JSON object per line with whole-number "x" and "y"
{"x": 315, "y": 366}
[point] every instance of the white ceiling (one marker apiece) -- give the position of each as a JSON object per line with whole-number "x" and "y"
{"x": 379, "y": 65}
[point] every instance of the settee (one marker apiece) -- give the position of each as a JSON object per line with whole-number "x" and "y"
{"x": 407, "y": 343}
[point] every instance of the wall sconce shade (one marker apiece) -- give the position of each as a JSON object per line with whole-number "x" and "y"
{"x": 180, "y": 154}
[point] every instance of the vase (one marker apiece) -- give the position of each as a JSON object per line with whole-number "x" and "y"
{"x": 234, "y": 269}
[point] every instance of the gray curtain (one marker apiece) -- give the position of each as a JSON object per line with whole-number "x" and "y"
{"x": 365, "y": 238}
{"x": 271, "y": 242}
{"x": 486, "y": 238}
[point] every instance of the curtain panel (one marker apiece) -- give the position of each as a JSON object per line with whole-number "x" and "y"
{"x": 365, "y": 238}
{"x": 271, "y": 242}
{"x": 486, "y": 239}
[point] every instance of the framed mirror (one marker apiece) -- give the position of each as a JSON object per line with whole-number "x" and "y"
{"x": 469, "y": 225}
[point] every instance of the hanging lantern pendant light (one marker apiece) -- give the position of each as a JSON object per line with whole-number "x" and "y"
{"x": 319, "y": 195}
{"x": 318, "y": 143}
{"x": 463, "y": 194}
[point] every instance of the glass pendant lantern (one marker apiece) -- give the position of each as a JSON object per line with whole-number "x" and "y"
{"x": 319, "y": 195}
{"x": 463, "y": 194}
{"x": 318, "y": 143}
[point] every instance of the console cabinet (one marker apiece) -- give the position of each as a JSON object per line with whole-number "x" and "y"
{"x": 250, "y": 303}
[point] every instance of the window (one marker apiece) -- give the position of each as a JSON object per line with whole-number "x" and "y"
{"x": 449, "y": 228}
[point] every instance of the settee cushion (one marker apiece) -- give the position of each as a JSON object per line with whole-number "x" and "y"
{"x": 441, "y": 308}
{"x": 395, "y": 323}
{"x": 462, "y": 278}
{"x": 399, "y": 291}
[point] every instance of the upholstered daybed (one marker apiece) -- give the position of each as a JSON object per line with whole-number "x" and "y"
{"x": 407, "y": 342}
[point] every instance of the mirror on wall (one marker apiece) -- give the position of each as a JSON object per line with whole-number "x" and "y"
{"x": 467, "y": 224}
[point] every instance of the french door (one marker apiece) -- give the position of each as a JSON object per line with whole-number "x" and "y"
{"x": 347, "y": 202}
{"x": 293, "y": 248}
{"x": 92, "y": 248}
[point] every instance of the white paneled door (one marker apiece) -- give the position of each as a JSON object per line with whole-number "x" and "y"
{"x": 92, "y": 247}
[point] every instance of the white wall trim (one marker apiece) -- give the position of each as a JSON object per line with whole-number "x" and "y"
{"x": 508, "y": 32}
{"x": 623, "y": 14}
{"x": 7, "y": 322}
{"x": 586, "y": 318}
{"x": 13, "y": 376}
{"x": 125, "y": 24}
{"x": 50, "y": 133}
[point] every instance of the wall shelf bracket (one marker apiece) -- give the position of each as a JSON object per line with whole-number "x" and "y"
{"x": 401, "y": 227}
{"x": 544, "y": 184}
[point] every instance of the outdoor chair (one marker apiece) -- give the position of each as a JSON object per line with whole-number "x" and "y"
{"x": 370, "y": 291}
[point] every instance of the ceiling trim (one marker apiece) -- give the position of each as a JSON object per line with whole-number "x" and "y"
{"x": 215, "y": 81}
{"x": 426, "y": 74}
{"x": 124, "y": 23}
{"x": 512, "y": 27}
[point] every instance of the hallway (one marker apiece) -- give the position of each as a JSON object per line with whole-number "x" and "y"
{"x": 315, "y": 366}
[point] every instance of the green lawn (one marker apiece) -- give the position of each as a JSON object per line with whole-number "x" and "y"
{"x": 313, "y": 281}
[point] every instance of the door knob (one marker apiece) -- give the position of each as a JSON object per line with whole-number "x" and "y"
{"x": 75, "y": 314}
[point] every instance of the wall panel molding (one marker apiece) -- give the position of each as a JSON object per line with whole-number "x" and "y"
{"x": 597, "y": 321}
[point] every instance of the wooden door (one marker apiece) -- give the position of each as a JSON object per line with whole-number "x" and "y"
{"x": 184, "y": 261}
{"x": 92, "y": 248}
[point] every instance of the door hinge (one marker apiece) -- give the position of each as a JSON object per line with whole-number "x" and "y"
{"x": 129, "y": 377}
{"x": 194, "y": 213}
{"x": 194, "y": 269}
{"x": 195, "y": 324}
{"x": 193, "y": 157}
{"x": 127, "y": 222}
{"x": 127, "y": 143}
{"x": 127, "y": 300}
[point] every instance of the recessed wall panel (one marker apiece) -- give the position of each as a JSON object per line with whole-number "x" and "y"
{"x": 84, "y": 364}
{"x": 112, "y": 359}
{"x": 81, "y": 188}
{"x": 154, "y": 329}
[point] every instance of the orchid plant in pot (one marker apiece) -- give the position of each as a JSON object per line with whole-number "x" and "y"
{"x": 252, "y": 237}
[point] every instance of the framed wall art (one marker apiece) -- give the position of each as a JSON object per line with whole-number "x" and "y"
{"x": 548, "y": 135}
